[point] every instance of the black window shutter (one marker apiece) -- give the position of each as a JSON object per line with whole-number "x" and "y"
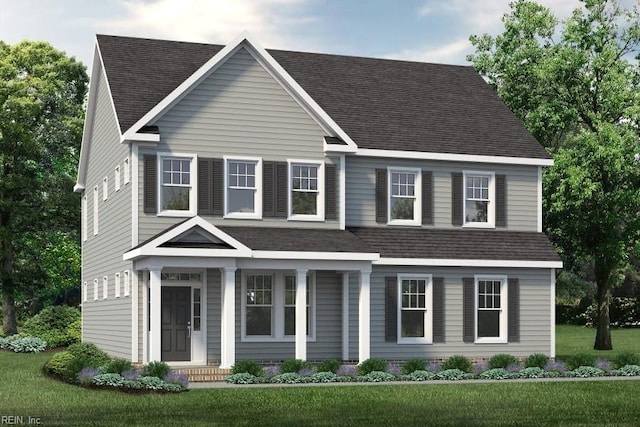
{"x": 513, "y": 314}
{"x": 150, "y": 184}
{"x": 468, "y": 310}
{"x": 438, "y": 309}
{"x": 381, "y": 195}
{"x": 456, "y": 198}
{"x": 391, "y": 309}
{"x": 281, "y": 188}
{"x": 427, "y": 197}
{"x": 501, "y": 201}
{"x": 217, "y": 203}
{"x": 204, "y": 187}
{"x": 330, "y": 191}
{"x": 268, "y": 189}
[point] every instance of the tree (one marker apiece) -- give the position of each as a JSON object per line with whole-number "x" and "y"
{"x": 41, "y": 113}
{"x": 575, "y": 89}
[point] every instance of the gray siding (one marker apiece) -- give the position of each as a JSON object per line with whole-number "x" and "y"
{"x": 535, "y": 316}
{"x": 214, "y": 278}
{"x": 522, "y": 190}
{"x": 107, "y": 323}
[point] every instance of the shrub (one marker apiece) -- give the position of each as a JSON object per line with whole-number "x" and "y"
{"x": 377, "y": 376}
{"x": 118, "y": 366}
{"x": 286, "y": 378}
{"x": 176, "y": 378}
{"x": 627, "y": 371}
{"x": 292, "y": 366}
{"x": 4, "y": 342}
{"x": 371, "y": 365}
{"x": 306, "y": 372}
{"x": 330, "y": 365}
{"x": 90, "y": 354}
{"x": 421, "y": 375}
{"x": 347, "y": 371}
{"x": 394, "y": 369}
{"x": 108, "y": 380}
{"x": 534, "y": 372}
{"x": 324, "y": 377}
{"x": 52, "y": 325}
{"x": 414, "y": 365}
{"x": 86, "y": 375}
{"x": 458, "y": 362}
{"x": 74, "y": 331}
{"x": 580, "y": 359}
{"x": 156, "y": 369}
{"x": 130, "y": 375}
{"x": 27, "y": 345}
{"x": 502, "y": 361}
{"x": 479, "y": 368}
{"x": 556, "y": 366}
{"x": 536, "y": 360}
{"x": 625, "y": 358}
{"x": 243, "y": 378}
{"x": 513, "y": 368}
{"x": 173, "y": 387}
{"x": 603, "y": 364}
{"x": 453, "y": 375}
{"x": 150, "y": 383}
{"x": 586, "y": 372}
{"x": 434, "y": 367}
{"x": 495, "y": 374}
{"x": 247, "y": 367}
{"x": 59, "y": 365}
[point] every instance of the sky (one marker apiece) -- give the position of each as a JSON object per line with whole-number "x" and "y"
{"x": 417, "y": 30}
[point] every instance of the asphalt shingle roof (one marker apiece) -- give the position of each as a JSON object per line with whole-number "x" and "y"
{"x": 380, "y": 103}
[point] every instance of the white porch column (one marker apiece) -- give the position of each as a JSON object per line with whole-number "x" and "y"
{"x": 364, "y": 341}
{"x": 345, "y": 315}
{"x": 155, "y": 348}
{"x": 301, "y": 314}
{"x": 228, "y": 321}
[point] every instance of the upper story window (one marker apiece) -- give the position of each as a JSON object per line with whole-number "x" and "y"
{"x": 404, "y": 196}
{"x": 177, "y": 196}
{"x": 243, "y": 188}
{"x": 415, "y": 309}
{"x": 479, "y": 199}
{"x": 306, "y": 195}
{"x": 491, "y": 309}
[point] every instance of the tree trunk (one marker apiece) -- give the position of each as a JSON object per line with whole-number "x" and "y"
{"x": 9, "y": 323}
{"x": 603, "y": 333}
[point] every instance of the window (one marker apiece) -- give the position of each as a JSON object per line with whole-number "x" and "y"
{"x": 125, "y": 278}
{"x": 404, "y": 196}
{"x": 117, "y": 285}
{"x": 105, "y": 287}
{"x": 95, "y": 289}
{"x": 479, "y": 211}
{"x": 116, "y": 178}
{"x": 177, "y": 196}
{"x": 269, "y": 311}
{"x": 242, "y": 188}
{"x": 306, "y": 198}
{"x": 84, "y": 218}
{"x": 105, "y": 188}
{"x": 84, "y": 292}
{"x": 491, "y": 310}
{"x": 415, "y": 309}
{"x": 95, "y": 210}
{"x": 197, "y": 305}
{"x": 125, "y": 166}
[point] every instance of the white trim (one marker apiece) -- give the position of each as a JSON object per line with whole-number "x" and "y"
{"x": 448, "y": 262}
{"x": 135, "y": 332}
{"x": 105, "y": 287}
{"x": 96, "y": 212}
{"x": 319, "y": 216}
{"x": 84, "y": 292}
{"x": 117, "y": 284}
{"x": 193, "y": 184}
{"x": 116, "y": 178}
{"x": 345, "y": 315}
{"x": 134, "y": 192}
{"x": 145, "y": 315}
{"x": 85, "y": 213}
{"x": 417, "y": 194}
{"x": 348, "y": 256}
{"x": 539, "y": 199}
{"x": 105, "y": 188}
{"x": 364, "y": 316}
{"x": 337, "y": 148}
{"x": 504, "y": 309}
{"x": 301, "y": 313}
{"x": 95, "y": 289}
{"x": 342, "y": 185}
{"x": 428, "y": 315}
{"x": 491, "y": 208}
{"x": 129, "y": 137}
{"x": 126, "y": 169}
{"x": 552, "y": 312}
{"x": 127, "y": 282}
{"x": 155, "y": 283}
{"x": 422, "y": 155}
{"x": 257, "y": 196}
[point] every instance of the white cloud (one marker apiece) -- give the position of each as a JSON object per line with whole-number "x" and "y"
{"x": 450, "y": 53}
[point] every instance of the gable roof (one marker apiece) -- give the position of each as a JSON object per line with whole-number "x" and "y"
{"x": 381, "y": 104}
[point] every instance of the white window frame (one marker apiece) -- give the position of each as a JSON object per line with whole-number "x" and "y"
{"x": 127, "y": 283}
{"x": 257, "y": 197}
{"x": 95, "y": 289}
{"x": 311, "y": 305}
{"x": 417, "y": 207}
{"x": 105, "y": 287}
{"x": 105, "y": 188}
{"x": 428, "y": 317}
{"x": 95, "y": 210}
{"x": 127, "y": 171}
{"x": 491, "y": 208}
{"x": 85, "y": 215}
{"x": 193, "y": 184}
{"x": 504, "y": 309}
{"x": 321, "y": 190}
{"x": 84, "y": 292}
{"x": 117, "y": 284}
{"x": 116, "y": 178}
{"x": 277, "y": 304}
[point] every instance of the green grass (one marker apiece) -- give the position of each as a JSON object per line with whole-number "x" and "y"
{"x": 579, "y": 339}
{"x": 25, "y": 391}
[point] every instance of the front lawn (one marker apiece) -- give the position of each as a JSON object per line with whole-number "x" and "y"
{"x": 25, "y": 391}
{"x": 572, "y": 339}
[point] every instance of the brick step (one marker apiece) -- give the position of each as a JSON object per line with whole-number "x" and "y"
{"x": 204, "y": 374}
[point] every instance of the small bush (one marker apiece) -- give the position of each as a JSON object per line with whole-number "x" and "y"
{"x": 243, "y": 378}
{"x": 394, "y": 369}
{"x": 627, "y": 371}
{"x": 513, "y": 368}
{"x": 458, "y": 362}
{"x": 603, "y": 364}
{"x": 90, "y": 353}
{"x": 453, "y": 375}
{"x": 74, "y": 331}
{"x": 421, "y": 375}
{"x": 286, "y": 378}
{"x": 86, "y": 375}
{"x": 118, "y": 366}
{"x": 324, "y": 377}
{"x": 585, "y": 372}
{"x": 306, "y": 372}
{"x": 176, "y": 378}
{"x": 536, "y": 360}
{"x": 59, "y": 365}
{"x": 292, "y": 366}
{"x": 625, "y": 358}
{"x": 150, "y": 383}
{"x": 247, "y": 367}
{"x": 414, "y": 365}
{"x": 156, "y": 369}
{"x": 377, "y": 376}
{"x": 534, "y": 372}
{"x": 502, "y": 361}
{"x": 270, "y": 371}
{"x": 347, "y": 371}
{"x": 371, "y": 365}
{"x": 130, "y": 375}
{"x": 580, "y": 359}
{"x": 480, "y": 367}
{"x": 108, "y": 380}
{"x": 52, "y": 325}
{"x": 434, "y": 367}
{"x": 556, "y": 366}
{"x": 330, "y": 365}
{"x": 495, "y": 374}
{"x": 4, "y": 343}
{"x": 27, "y": 345}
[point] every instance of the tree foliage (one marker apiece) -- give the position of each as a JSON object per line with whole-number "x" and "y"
{"x": 41, "y": 113}
{"x": 576, "y": 89}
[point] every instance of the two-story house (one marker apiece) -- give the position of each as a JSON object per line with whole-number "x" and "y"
{"x": 243, "y": 203}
